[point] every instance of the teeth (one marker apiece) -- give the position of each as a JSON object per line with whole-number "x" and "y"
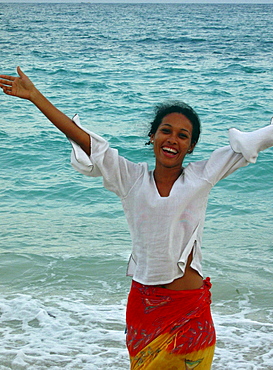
{"x": 170, "y": 150}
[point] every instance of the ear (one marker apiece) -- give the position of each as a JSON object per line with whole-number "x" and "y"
{"x": 152, "y": 138}
{"x": 191, "y": 148}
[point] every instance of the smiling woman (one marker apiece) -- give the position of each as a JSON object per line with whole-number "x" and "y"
{"x": 172, "y": 141}
{"x": 163, "y": 110}
{"x": 169, "y": 323}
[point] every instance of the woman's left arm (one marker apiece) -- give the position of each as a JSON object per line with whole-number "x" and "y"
{"x": 251, "y": 143}
{"x": 243, "y": 149}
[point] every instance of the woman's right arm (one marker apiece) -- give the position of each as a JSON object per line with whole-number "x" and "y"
{"x": 22, "y": 87}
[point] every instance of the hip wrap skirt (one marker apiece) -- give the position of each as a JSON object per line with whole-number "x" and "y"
{"x": 170, "y": 329}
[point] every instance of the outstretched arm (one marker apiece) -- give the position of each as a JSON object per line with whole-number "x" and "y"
{"x": 23, "y": 88}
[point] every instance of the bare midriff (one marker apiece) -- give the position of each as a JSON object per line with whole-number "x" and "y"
{"x": 190, "y": 280}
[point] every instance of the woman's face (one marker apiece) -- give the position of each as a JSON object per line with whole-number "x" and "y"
{"x": 172, "y": 140}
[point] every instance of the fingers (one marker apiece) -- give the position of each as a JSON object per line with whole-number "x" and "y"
{"x": 7, "y": 78}
{"x": 19, "y": 71}
{"x": 6, "y": 86}
{"x": 5, "y": 82}
{"x": 6, "y": 90}
{"x": 16, "y": 86}
{"x": 11, "y": 78}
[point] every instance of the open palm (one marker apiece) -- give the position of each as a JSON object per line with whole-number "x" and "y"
{"x": 21, "y": 86}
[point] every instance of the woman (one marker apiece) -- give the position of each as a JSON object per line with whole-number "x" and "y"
{"x": 169, "y": 324}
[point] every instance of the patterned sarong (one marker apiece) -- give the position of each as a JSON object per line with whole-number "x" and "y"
{"x": 170, "y": 329}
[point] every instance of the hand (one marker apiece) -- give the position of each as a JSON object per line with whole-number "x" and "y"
{"x": 21, "y": 86}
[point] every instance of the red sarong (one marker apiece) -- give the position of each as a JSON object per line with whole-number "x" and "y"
{"x": 170, "y": 329}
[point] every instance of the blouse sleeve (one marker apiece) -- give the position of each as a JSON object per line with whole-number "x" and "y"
{"x": 243, "y": 149}
{"x": 251, "y": 143}
{"x": 119, "y": 174}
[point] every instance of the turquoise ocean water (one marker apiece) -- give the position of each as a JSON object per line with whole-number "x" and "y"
{"x": 64, "y": 240}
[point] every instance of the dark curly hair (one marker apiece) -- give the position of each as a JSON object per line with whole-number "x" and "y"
{"x": 164, "y": 109}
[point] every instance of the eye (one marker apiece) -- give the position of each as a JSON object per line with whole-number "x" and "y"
{"x": 183, "y": 136}
{"x": 165, "y": 130}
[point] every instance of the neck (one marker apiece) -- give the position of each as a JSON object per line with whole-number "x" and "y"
{"x": 164, "y": 180}
{"x": 167, "y": 175}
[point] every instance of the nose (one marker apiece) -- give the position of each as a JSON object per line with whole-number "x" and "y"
{"x": 172, "y": 139}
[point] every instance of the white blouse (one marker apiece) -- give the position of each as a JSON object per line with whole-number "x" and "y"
{"x": 165, "y": 230}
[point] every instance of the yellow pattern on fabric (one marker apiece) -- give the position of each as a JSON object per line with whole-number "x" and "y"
{"x": 155, "y": 357}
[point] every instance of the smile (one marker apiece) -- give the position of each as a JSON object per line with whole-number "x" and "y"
{"x": 169, "y": 150}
